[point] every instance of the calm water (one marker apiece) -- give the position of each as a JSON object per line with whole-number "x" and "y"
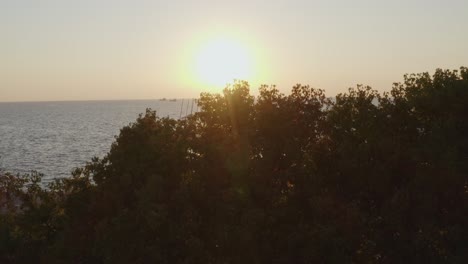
{"x": 55, "y": 137}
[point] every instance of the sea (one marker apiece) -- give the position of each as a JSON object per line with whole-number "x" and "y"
{"x": 54, "y": 138}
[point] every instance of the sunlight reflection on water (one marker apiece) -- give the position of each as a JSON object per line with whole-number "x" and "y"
{"x": 55, "y": 137}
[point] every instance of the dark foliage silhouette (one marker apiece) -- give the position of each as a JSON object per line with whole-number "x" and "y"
{"x": 298, "y": 178}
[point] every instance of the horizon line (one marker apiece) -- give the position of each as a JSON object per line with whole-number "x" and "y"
{"x": 94, "y": 100}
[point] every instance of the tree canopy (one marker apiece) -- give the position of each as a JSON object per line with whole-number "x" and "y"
{"x": 365, "y": 177}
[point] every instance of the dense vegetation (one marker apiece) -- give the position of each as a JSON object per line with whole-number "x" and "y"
{"x": 298, "y": 178}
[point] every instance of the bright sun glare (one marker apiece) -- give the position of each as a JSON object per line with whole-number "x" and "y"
{"x": 219, "y": 61}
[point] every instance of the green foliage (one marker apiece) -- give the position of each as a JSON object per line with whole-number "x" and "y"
{"x": 298, "y": 178}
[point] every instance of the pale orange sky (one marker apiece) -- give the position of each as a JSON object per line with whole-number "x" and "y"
{"x": 103, "y": 50}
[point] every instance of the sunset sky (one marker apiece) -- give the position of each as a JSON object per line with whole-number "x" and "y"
{"x": 111, "y": 49}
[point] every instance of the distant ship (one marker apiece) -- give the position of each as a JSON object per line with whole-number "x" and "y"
{"x": 163, "y": 99}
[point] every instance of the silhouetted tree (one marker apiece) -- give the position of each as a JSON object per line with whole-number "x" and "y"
{"x": 363, "y": 177}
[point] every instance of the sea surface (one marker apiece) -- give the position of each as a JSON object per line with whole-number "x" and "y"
{"x": 53, "y": 138}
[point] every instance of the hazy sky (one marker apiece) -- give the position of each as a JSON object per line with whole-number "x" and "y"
{"x": 110, "y": 49}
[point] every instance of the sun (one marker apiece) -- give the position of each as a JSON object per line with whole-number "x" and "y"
{"x": 220, "y": 60}
{"x": 209, "y": 60}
